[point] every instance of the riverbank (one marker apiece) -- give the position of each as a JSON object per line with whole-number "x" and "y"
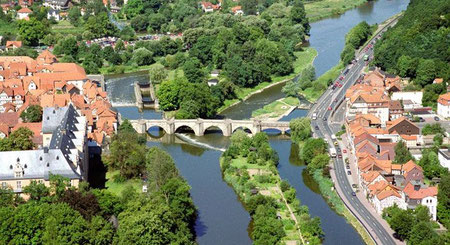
{"x": 318, "y": 10}
{"x": 304, "y": 59}
{"x": 249, "y": 166}
{"x": 328, "y": 192}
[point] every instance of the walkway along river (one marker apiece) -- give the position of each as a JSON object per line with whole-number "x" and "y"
{"x": 222, "y": 219}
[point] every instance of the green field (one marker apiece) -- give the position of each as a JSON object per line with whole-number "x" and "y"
{"x": 317, "y": 10}
{"x": 276, "y": 108}
{"x": 117, "y": 187}
{"x": 304, "y": 58}
{"x": 64, "y": 27}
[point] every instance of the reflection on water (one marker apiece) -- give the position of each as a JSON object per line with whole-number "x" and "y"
{"x": 120, "y": 87}
{"x": 133, "y": 113}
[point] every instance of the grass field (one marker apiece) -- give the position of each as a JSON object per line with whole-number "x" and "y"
{"x": 117, "y": 187}
{"x": 276, "y": 108}
{"x": 304, "y": 58}
{"x": 64, "y": 27}
{"x": 321, "y": 9}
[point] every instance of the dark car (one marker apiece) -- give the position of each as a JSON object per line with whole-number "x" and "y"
{"x": 353, "y": 193}
{"x": 316, "y": 127}
{"x": 324, "y": 118}
{"x": 354, "y": 185}
{"x": 338, "y": 149}
{"x": 349, "y": 172}
{"x": 335, "y": 100}
{"x": 436, "y": 118}
{"x": 421, "y": 119}
{"x": 347, "y": 166}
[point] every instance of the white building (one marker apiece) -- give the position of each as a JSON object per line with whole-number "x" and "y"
{"x": 414, "y": 96}
{"x": 23, "y": 13}
{"x": 444, "y": 157}
{"x": 443, "y": 106}
{"x": 53, "y": 13}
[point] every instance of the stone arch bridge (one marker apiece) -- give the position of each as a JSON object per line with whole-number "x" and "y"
{"x": 199, "y": 126}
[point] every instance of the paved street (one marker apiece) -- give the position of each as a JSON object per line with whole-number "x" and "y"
{"x": 377, "y": 228}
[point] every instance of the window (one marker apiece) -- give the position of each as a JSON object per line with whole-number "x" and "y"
{"x": 3, "y": 185}
{"x": 19, "y": 184}
{"x": 41, "y": 181}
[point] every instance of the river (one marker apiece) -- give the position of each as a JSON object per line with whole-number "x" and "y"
{"x": 222, "y": 218}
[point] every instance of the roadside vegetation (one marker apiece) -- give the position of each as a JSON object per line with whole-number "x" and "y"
{"x": 249, "y": 165}
{"x": 403, "y": 51}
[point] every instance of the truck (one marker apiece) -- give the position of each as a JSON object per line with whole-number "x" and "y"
{"x": 332, "y": 152}
{"x": 333, "y": 137}
{"x": 314, "y": 116}
{"x": 366, "y": 57}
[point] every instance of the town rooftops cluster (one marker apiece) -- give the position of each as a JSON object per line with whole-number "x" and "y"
{"x": 46, "y": 82}
{"x": 375, "y": 124}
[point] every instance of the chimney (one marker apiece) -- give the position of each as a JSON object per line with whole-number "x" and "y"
{"x": 417, "y": 187}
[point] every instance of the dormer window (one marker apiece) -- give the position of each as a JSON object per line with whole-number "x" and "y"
{"x": 57, "y": 157}
{"x": 25, "y": 166}
{"x": 48, "y": 164}
{"x": 40, "y": 158}
{"x": 10, "y": 167}
{"x": 18, "y": 159}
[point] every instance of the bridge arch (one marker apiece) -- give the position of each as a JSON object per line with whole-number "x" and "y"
{"x": 224, "y": 127}
{"x": 245, "y": 129}
{"x": 156, "y": 131}
{"x": 162, "y": 126}
{"x": 193, "y": 128}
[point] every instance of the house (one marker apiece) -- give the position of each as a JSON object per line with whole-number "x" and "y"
{"x": 383, "y": 195}
{"x": 4, "y": 130}
{"x": 364, "y": 102}
{"x": 402, "y": 126}
{"x": 25, "y": 3}
{"x": 53, "y": 13}
{"x": 6, "y": 7}
{"x": 62, "y": 5}
{"x": 46, "y": 58}
{"x": 213, "y": 82}
{"x": 208, "y": 7}
{"x": 444, "y": 157}
{"x": 395, "y": 109}
{"x": 438, "y": 80}
{"x": 443, "y": 106}
{"x": 12, "y": 45}
{"x": 416, "y": 193}
{"x": 23, "y": 13}
{"x": 412, "y": 172}
{"x": 237, "y": 10}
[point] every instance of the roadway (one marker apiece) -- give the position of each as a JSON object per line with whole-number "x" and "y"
{"x": 322, "y": 128}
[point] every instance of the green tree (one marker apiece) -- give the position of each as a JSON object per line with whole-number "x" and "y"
{"x": 426, "y": 72}
{"x": 160, "y": 167}
{"x": 58, "y": 185}
{"x": 36, "y": 191}
{"x": 319, "y": 162}
{"x": 402, "y": 154}
{"x": 434, "y": 128}
{"x": 300, "y": 129}
{"x": 420, "y": 232}
{"x": 20, "y": 140}
{"x": 74, "y": 15}
{"x": 298, "y": 15}
{"x": 193, "y": 70}
{"x": 33, "y": 113}
{"x": 431, "y": 166}
{"x": 312, "y": 148}
{"x": 401, "y": 222}
{"x": 100, "y": 26}
{"x": 443, "y": 207}
{"x": 158, "y": 73}
{"x": 142, "y": 56}
{"x": 31, "y": 31}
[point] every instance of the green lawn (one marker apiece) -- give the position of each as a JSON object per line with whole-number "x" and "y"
{"x": 276, "y": 108}
{"x": 116, "y": 187}
{"x": 304, "y": 58}
{"x": 321, "y": 9}
{"x": 64, "y": 27}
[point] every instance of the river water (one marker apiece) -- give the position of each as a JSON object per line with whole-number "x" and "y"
{"x": 222, "y": 218}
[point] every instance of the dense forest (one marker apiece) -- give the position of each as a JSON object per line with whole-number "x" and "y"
{"x": 417, "y": 46}
{"x": 61, "y": 214}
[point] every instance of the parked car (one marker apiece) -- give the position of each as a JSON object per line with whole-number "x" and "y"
{"x": 316, "y": 127}
{"x": 340, "y": 85}
{"x": 353, "y": 193}
{"x": 329, "y": 108}
{"x": 354, "y": 185}
{"x": 324, "y": 118}
{"x": 349, "y": 172}
{"x": 335, "y": 143}
{"x": 436, "y": 118}
{"x": 347, "y": 166}
{"x": 340, "y": 155}
{"x": 344, "y": 150}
